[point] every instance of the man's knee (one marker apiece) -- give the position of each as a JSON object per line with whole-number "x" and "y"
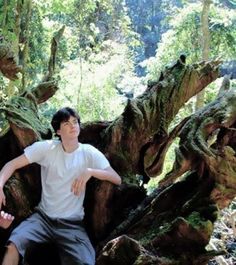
{"x": 12, "y": 251}
{"x": 11, "y": 247}
{"x": 12, "y": 255}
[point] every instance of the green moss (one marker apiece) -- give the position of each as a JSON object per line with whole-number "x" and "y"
{"x": 4, "y": 125}
{"x": 24, "y": 113}
{"x": 155, "y": 232}
{"x": 205, "y": 226}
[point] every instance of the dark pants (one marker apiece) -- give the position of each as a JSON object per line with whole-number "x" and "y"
{"x": 69, "y": 236}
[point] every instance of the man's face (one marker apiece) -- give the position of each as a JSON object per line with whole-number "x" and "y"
{"x": 69, "y": 129}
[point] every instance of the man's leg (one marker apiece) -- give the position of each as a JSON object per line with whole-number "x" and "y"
{"x": 11, "y": 256}
{"x": 33, "y": 230}
{"x": 74, "y": 245}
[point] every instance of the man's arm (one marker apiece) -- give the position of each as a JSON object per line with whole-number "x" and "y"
{"x": 107, "y": 174}
{"x": 7, "y": 171}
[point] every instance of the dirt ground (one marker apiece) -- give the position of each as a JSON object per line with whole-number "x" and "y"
{"x": 224, "y": 237}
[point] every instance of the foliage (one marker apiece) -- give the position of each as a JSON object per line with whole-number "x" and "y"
{"x": 82, "y": 54}
{"x": 7, "y": 21}
{"x": 149, "y": 24}
{"x": 39, "y": 54}
{"x": 102, "y": 40}
{"x": 184, "y": 37}
{"x": 95, "y": 95}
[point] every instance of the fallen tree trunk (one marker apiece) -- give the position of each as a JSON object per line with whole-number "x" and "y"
{"x": 174, "y": 224}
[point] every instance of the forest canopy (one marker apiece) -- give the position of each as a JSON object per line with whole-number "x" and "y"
{"x": 109, "y": 47}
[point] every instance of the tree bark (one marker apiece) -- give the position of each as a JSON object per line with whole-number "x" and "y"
{"x": 171, "y": 226}
{"x": 205, "y": 45}
{"x": 17, "y": 29}
{"x": 8, "y": 65}
{"x": 24, "y": 40}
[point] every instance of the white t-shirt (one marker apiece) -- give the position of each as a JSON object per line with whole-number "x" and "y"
{"x": 58, "y": 170}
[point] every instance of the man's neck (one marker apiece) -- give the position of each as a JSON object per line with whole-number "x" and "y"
{"x": 70, "y": 146}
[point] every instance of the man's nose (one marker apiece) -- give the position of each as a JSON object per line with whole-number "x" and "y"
{"x": 71, "y": 124}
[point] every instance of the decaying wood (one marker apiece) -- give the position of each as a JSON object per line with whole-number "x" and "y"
{"x": 174, "y": 224}
{"x": 7, "y": 62}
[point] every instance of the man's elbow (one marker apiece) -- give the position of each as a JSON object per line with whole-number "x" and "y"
{"x": 118, "y": 180}
{"x": 115, "y": 177}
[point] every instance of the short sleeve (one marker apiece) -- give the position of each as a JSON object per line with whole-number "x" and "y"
{"x": 97, "y": 159}
{"x": 36, "y": 152}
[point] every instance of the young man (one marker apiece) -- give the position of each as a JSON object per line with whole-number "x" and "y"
{"x": 66, "y": 166}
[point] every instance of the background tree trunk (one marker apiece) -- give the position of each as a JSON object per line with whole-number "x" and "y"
{"x": 24, "y": 40}
{"x": 205, "y": 45}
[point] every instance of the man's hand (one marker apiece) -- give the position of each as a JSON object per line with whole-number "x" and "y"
{"x": 107, "y": 174}
{"x": 79, "y": 183}
{"x": 2, "y": 198}
{"x": 5, "y": 219}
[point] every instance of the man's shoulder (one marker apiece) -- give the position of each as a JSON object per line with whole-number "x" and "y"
{"x": 46, "y": 144}
{"x": 91, "y": 151}
{"x": 87, "y": 147}
{"x": 40, "y": 151}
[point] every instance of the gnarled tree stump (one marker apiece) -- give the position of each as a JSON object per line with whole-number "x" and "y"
{"x": 172, "y": 225}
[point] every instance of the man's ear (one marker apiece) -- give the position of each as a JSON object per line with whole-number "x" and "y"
{"x": 58, "y": 132}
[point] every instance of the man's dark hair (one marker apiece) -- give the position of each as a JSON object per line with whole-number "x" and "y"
{"x": 63, "y": 115}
